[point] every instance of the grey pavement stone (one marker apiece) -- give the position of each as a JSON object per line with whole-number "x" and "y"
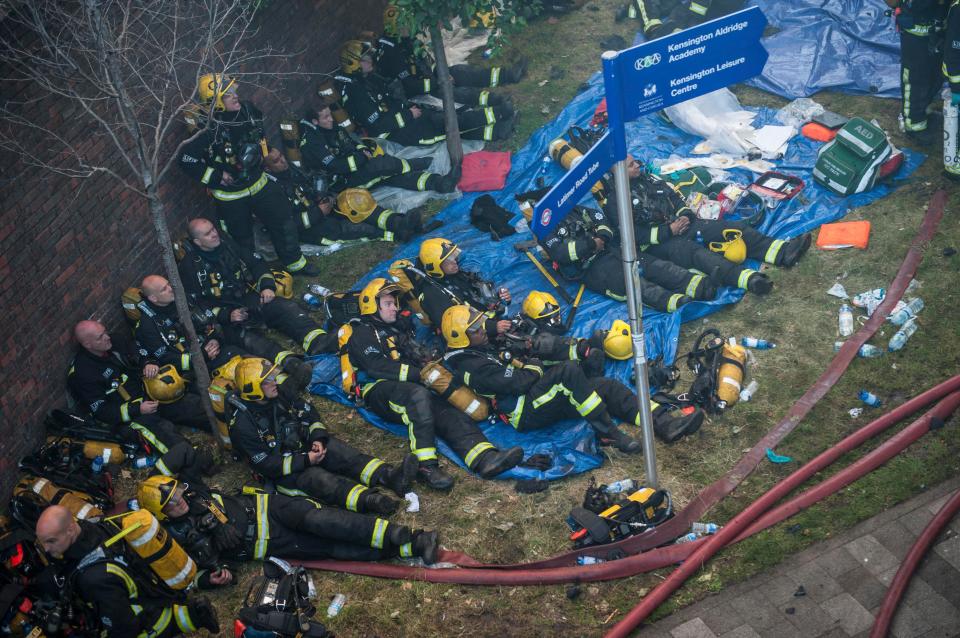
{"x": 808, "y": 617}
{"x": 836, "y": 632}
{"x": 779, "y": 590}
{"x": 695, "y": 628}
{"x": 940, "y": 632}
{"x": 942, "y": 576}
{"x": 949, "y": 550}
{"x": 848, "y": 613}
{"x": 864, "y": 587}
{"x": 743, "y": 631}
{"x": 756, "y": 610}
{"x": 916, "y": 520}
{"x": 818, "y": 583}
{"x": 938, "y": 504}
{"x": 868, "y": 551}
{"x": 895, "y": 537}
{"x": 934, "y": 608}
{"x": 782, "y": 630}
{"x": 837, "y": 561}
{"x": 722, "y": 618}
{"x": 908, "y": 623}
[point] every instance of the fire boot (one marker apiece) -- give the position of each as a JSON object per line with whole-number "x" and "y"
{"x": 669, "y": 428}
{"x": 515, "y": 73}
{"x": 609, "y": 434}
{"x": 426, "y": 545}
{"x": 377, "y": 503}
{"x": 398, "y": 478}
{"x": 759, "y": 284}
{"x": 203, "y": 615}
{"x": 495, "y": 462}
{"x": 435, "y": 478}
{"x": 795, "y": 249}
{"x": 299, "y": 375}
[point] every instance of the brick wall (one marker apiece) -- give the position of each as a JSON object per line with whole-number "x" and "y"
{"x": 69, "y": 246}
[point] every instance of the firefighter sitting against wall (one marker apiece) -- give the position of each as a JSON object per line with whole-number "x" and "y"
{"x": 667, "y": 229}
{"x": 372, "y": 106}
{"x": 226, "y": 157}
{"x": 105, "y": 380}
{"x": 400, "y": 58}
{"x": 226, "y": 279}
{"x": 219, "y": 529}
{"x": 353, "y": 215}
{"x": 386, "y": 375}
{"x": 286, "y": 443}
{"x": 119, "y": 589}
{"x": 163, "y": 340}
{"x": 355, "y": 163}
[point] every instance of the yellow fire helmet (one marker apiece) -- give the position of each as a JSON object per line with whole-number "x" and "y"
{"x": 617, "y": 344}
{"x": 733, "y": 248}
{"x": 456, "y": 322}
{"x": 390, "y": 15}
{"x": 284, "y": 283}
{"x": 250, "y": 375}
{"x": 373, "y": 146}
{"x": 167, "y": 386}
{"x": 373, "y": 291}
{"x": 434, "y": 251}
{"x": 355, "y": 204}
{"x": 154, "y": 493}
{"x": 351, "y": 52}
{"x": 212, "y": 86}
{"x": 540, "y": 305}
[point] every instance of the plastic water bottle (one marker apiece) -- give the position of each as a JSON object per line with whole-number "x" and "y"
{"x": 699, "y": 237}
{"x": 319, "y": 290}
{"x": 870, "y": 399}
{"x": 626, "y": 485}
{"x": 747, "y": 393}
{"x": 589, "y": 560}
{"x": 759, "y": 344}
{"x": 703, "y": 529}
{"x": 97, "y": 464}
{"x": 486, "y": 54}
{"x": 133, "y": 505}
{"x": 898, "y": 340}
{"x": 906, "y": 313}
{"x": 336, "y": 605}
{"x": 867, "y": 350}
{"x": 686, "y": 538}
{"x": 846, "y": 321}
{"x": 144, "y": 461}
{"x": 312, "y": 300}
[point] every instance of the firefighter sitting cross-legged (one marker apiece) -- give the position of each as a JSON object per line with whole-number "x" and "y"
{"x": 529, "y": 397}
{"x": 285, "y": 442}
{"x": 217, "y": 529}
{"x": 387, "y": 379}
{"x": 120, "y": 590}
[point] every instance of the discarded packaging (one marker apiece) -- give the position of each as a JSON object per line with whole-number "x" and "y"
{"x": 413, "y": 502}
{"x": 837, "y": 290}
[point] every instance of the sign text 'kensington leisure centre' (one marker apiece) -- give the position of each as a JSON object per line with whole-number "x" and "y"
{"x": 658, "y": 74}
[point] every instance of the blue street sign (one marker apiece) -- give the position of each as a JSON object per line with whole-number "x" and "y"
{"x": 692, "y": 62}
{"x": 572, "y": 187}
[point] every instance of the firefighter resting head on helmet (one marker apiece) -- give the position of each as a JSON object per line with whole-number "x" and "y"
{"x": 379, "y": 299}
{"x": 256, "y": 379}
{"x": 163, "y": 496}
{"x": 56, "y": 530}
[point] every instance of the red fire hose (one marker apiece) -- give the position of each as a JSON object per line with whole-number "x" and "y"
{"x": 890, "y": 602}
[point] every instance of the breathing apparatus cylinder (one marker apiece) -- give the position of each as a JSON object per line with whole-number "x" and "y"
{"x": 440, "y": 380}
{"x": 166, "y": 557}
{"x": 951, "y": 133}
{"x": 733, "y": 362}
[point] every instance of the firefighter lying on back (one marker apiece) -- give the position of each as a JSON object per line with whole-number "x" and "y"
{"x": 353, "y": 215}
{"x": 529, "y": 397}
{"x": 388, "y": 381}
{"x": 217, "y": 529}
{"x": 285, "y": 442}
{"x": 120, "y": 591}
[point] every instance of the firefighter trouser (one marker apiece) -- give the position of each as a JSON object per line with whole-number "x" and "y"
{"x": 687, "y": 253}
{"x": 920, "y": 75}
{"x": 388, "y": 170}
{"x": 157, "y": 433}
{"x": 465, "y": 75}
{"x": 254, "y": 342}
{"x": 563, "y": 392}
{"x": 468, "y": 95}
{"x": 662, "y": 284}
{"x": 302, "y": 529}
{"x": 165, "y": 622}
{"x": 341, "y": 479}
{"x": 183, "y": 461}
{"x": 272, "y": 208}
{"x": 287, "y": 317}
{"x": 759, "y": 246}
{"x": 426, "y": 417}
{"x": 187, "y": 410}
{"x": 489, "y": 123}
{"x": 560, "y": 349}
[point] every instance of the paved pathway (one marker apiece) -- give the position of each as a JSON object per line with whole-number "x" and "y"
{"x": 834, "y": 588}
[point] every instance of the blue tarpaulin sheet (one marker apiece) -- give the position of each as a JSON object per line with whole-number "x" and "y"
{"x": 649, "y": 138}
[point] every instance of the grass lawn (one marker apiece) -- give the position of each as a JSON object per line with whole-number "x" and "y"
{"x": 493, "y": 523}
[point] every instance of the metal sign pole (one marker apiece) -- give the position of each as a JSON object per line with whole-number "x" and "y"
{"x": 628, "y": 248}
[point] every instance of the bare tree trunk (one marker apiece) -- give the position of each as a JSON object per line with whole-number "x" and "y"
{"x": 454, "y": 147}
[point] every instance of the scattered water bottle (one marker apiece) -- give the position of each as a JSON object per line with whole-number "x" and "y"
{"x": 699, "y": 237}
{"x": 759, "y": 344}
{"x": 133, "y": 505}
{"x": 143, "y": 462}
{"x": 336, "y": 605}
{"x": 319, "y": 290}
{"x": 97, "y": 464}
{"x": 626, "y": 485}
{"x": 898, "y": 340}
{"x": 867, "y": 350}
{"x": 703, "y": 529}
{"x": 909, "y": 311}
{"x": 686, "y": 538}
{"x": 589, "y": 560}
{"x": 870, "y": 399}
{"x": 846, "y": 321}
{"x": 487, "y": 53}
{"x": 747, "y": 393}
{"x": 312, "y": 300}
